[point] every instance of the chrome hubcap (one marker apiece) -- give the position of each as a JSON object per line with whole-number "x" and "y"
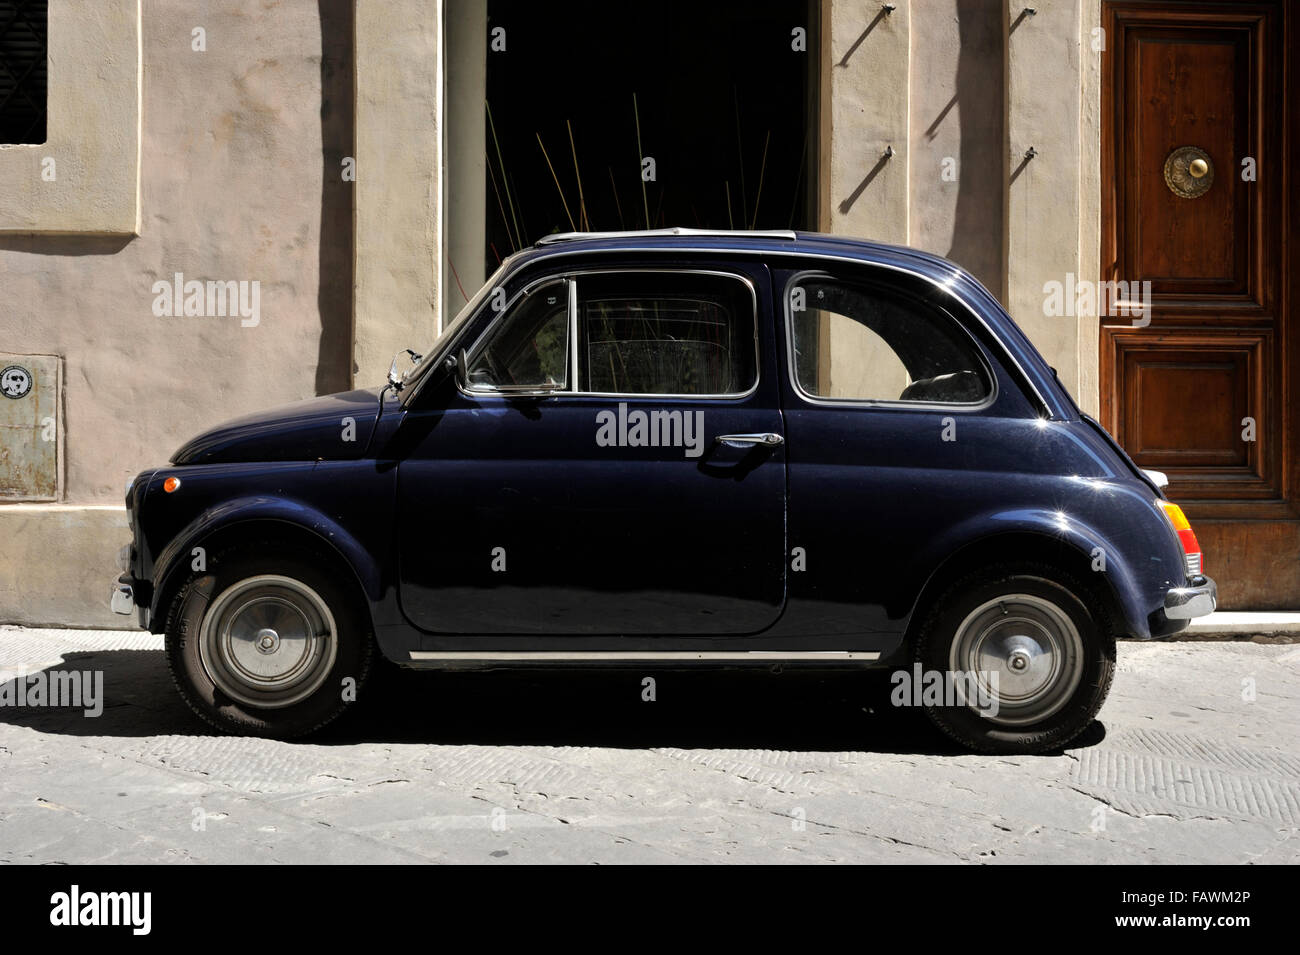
{"x": 268, "y": 641}
{"x": 1025, "y": 654}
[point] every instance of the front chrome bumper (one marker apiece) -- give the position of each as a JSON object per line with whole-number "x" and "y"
{"x": 1197, "y": 598}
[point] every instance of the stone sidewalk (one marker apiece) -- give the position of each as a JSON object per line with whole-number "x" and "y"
{"x": 1196, "y": 759}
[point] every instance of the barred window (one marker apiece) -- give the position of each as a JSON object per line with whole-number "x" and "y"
{"x": 24, "y": 27}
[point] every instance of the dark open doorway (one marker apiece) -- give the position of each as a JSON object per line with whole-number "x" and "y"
{"x": 717, "y": 93}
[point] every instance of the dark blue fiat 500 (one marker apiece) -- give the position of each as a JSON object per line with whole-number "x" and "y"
{"x": 675, "y": 448}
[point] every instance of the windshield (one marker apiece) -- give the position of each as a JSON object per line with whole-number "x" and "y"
{"x": 435, "y": 353}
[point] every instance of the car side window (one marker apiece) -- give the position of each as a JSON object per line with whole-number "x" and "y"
{"x": 529, "y": 347}
{"x": 857, "y": 341}
{"x": 666, "y": 333}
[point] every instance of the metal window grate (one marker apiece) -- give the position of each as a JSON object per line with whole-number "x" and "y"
{"x": 24, "y": 28}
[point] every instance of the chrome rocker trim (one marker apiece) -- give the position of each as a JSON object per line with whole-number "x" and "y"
{"x": 638, "y": 656}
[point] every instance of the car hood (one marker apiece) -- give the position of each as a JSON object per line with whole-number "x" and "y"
{"x": 331, "y": 428}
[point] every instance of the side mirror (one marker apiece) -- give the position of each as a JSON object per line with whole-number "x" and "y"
{"x": 396, "y": 377}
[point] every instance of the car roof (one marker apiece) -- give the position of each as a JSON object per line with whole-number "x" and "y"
{"x": 778, "y": 241}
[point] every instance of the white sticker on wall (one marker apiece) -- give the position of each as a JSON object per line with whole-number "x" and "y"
{"x": 15, "y": 381}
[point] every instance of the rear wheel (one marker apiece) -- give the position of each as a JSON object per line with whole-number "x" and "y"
{"x": 268, "y": 644}
{"x": 1031, "y": 655}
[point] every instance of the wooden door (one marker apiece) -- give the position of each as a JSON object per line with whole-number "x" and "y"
{"x": 1198, "y": 196}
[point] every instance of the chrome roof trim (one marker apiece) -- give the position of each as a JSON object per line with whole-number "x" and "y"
{"x": 787, "y": 234}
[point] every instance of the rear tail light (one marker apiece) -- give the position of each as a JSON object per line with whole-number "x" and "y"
{"x": 1186, "y": 536}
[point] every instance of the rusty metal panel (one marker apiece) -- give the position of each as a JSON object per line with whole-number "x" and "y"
{"x": 30, "y": 429}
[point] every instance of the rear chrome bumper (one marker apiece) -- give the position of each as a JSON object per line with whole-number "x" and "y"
{"x": 1199, "y": 597}
{"x": 123, "y": 599}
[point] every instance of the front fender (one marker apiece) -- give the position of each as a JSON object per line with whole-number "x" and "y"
{"x": 174, "y": 562}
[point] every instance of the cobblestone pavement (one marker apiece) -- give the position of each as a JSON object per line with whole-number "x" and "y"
{"x": 1196, "y": 759}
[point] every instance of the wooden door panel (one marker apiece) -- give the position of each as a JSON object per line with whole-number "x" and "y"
{"x": 1257, "y": 562}
{"x": 1185, "y": 404}
{"x": 1160, "y": 386}
{"x": 1188, "y": 246}
{"x": 1205, "y": 391}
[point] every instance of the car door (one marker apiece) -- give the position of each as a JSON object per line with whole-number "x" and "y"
{"x": 900, "y": 426}
{"x": 573, "y": 482}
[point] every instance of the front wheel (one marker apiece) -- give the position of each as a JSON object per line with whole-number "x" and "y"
{"x": 1029, "y": 661}
{"x": 267, "y": 644}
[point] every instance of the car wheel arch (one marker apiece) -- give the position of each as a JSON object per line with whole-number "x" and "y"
{"x": 1071, "y": 553}
{"x": 352, "y": 562}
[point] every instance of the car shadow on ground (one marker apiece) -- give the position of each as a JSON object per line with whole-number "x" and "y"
{"x": 796, "y": 709}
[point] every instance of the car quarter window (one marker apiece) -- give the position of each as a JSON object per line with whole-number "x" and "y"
{"x": 528, "y": 349}
{"x": 868, "y": 341}
{"x": 666, "y": 333}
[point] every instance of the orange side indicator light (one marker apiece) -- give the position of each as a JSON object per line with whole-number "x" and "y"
{"x": 171, "y": 484}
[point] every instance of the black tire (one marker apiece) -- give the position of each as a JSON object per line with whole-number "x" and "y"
{"x": 206, "y": 656}
{"x": 974, "y": 612}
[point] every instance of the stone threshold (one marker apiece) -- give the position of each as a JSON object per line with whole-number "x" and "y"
{"x": 1273, "y": 626}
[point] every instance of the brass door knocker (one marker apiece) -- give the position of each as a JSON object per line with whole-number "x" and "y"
{"x": 1189, "y": 172}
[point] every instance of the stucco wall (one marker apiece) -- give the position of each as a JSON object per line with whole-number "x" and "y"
{"x": 863, "y": 175}
{"x": 956, "y": 130}
{"x": 1044, "y": 102}
{"x": 465, "y": 185}
{"x": 398, "y": 210}
{"x": 232, "y": 189}
{"x": 962, "y": 89}
{"x": 58, "y": 564}
{"x": 1086, "y": 389}
{"x": 240, "y": 154}
{"x": 85, "y": 176}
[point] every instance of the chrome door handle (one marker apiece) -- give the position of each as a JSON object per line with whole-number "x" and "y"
{"x": 766, "y": 439}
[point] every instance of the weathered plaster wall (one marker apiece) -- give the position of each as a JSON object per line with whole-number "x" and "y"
{"x": 864, "y": 113}
{"x": 1046, "y": 193}
{"x": 240, "y": 153}
{"x": 58, "y": 563}
{"x": 92, "y": 145}
{"x": 398, "y": 220}
{"x": 232, "y": 190}
{"x": 465, "y": 187}
{"x": 968, "y": 87}
{"x": 956, "y": 131}
{"x": 1087, "y": 389}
